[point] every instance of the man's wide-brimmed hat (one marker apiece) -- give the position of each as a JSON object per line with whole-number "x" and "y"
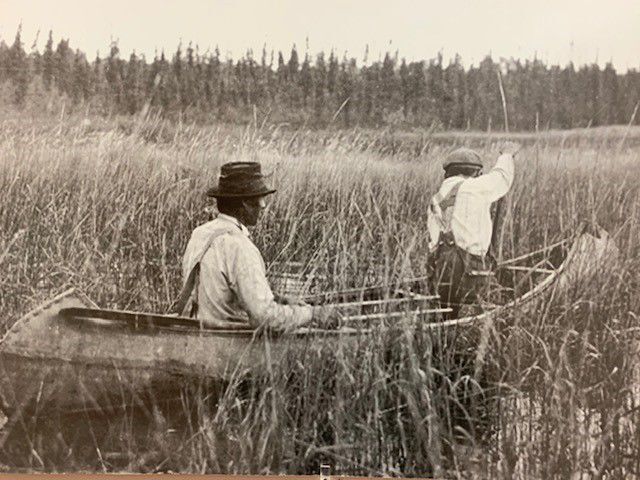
{"x": 464, "y": 157}
{"x": 240, "y": 179}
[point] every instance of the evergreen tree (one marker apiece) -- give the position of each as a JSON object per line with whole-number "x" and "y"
{"x": 539, "y": 86}
{"x": 18, "y": 69}
{"x": 306, "y": 80}
{"x": 436, "y": 94}
{"x": 630, "y": 95}
{"x": 100, "y": 88}
{"x": 332, "y": 73}
{"x": 489, "y": 114}
{"x": 293, "y": 64}
{"x": 113, "y": 75}
{"x": 346, "y": 86}
{"x": 388, "y": 88}
{"x": 4, "y": 62}
{"x": 282, "y": 70}
{"x": 34, "y": 59}
{"x": 538, "y": 95}
{"x": 320, "y": 86}
{"x": 455, "y": 81}
{"x": 405, "y": 93}
{"x": 215, "y": 77}
{"x": 80, "y": 85}
{"x": 164, "y": 83}
{"x": 131, "y": 85}
{"x": 189, "y": 86}
{"x": 176, "y": 83}
{"x": 609, "y": 96}
{"x": 417, "y": 94}
{"x": 567, "y": 92}
{"x": 48, "y": 65}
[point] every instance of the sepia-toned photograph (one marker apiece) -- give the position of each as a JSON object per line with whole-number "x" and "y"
{"x": 328, "y": 238}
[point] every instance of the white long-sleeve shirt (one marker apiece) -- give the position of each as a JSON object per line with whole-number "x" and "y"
{"x": 232, "y": 280}
{"x": 471, "y": 223}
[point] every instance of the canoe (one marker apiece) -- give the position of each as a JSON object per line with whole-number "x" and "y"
{"x": 67, "y": 354}
{"x": 52, "y": 360}
{"x": 584, "y": 258}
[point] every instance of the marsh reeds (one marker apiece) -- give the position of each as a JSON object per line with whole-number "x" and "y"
{"x": 108, "y": 206}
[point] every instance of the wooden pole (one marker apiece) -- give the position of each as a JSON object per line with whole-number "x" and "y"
{"x": 504, "y": 102}
{"x": 496, "y": 250}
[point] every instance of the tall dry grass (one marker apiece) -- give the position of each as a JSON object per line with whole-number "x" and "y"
{"x": 108, "y": 206}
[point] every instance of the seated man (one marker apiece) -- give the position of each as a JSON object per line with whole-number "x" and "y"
{"x": 460, "y": 224}
{"x": 224, "y": 273}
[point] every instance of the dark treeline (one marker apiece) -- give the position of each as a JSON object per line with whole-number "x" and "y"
{"x": 325, "y": 89}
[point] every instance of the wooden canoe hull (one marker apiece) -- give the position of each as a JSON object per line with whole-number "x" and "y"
{"x": 50, "y": 361}
{"x": 589, "y": 257}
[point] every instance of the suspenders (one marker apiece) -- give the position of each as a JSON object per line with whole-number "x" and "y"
{"x": 191, "y": 285}
{"x": 442, "y": 209}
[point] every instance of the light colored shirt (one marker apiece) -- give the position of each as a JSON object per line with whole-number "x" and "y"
{"x": 232, "y": 281}
{"x": 471, "y": 223}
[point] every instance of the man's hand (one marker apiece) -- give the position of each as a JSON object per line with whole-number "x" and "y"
{"x": 293, "y": 301}
{"x": 285, "y": 300}
{"x": 326, "y": 316}
{"x": 510, "y": 148}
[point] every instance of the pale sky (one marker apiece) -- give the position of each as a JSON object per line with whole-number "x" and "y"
{"x": 557, "y": 31}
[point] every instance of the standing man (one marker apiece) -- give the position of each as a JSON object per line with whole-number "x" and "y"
{"x": 460, "y": 224}
{"x": 224, "y": 273}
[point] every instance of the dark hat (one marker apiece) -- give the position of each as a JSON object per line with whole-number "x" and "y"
{"x": 240, "y": 179}
{"x": 463, "y": 157}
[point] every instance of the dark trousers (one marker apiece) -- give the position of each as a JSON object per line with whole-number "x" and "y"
{"x": 460, "y": 277}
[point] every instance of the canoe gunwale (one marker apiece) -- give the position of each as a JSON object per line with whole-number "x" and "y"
{"x": 548, "y": 283}
{"x": 86, "y": 323}
{"x": 143, "y": 325}
{"x": 529, "y": 296}
{"x": 235, "y": 330}
{"x": 75, "y": 319}
{"x": 45, "y": 305}
{"x": 64, "y": 354}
